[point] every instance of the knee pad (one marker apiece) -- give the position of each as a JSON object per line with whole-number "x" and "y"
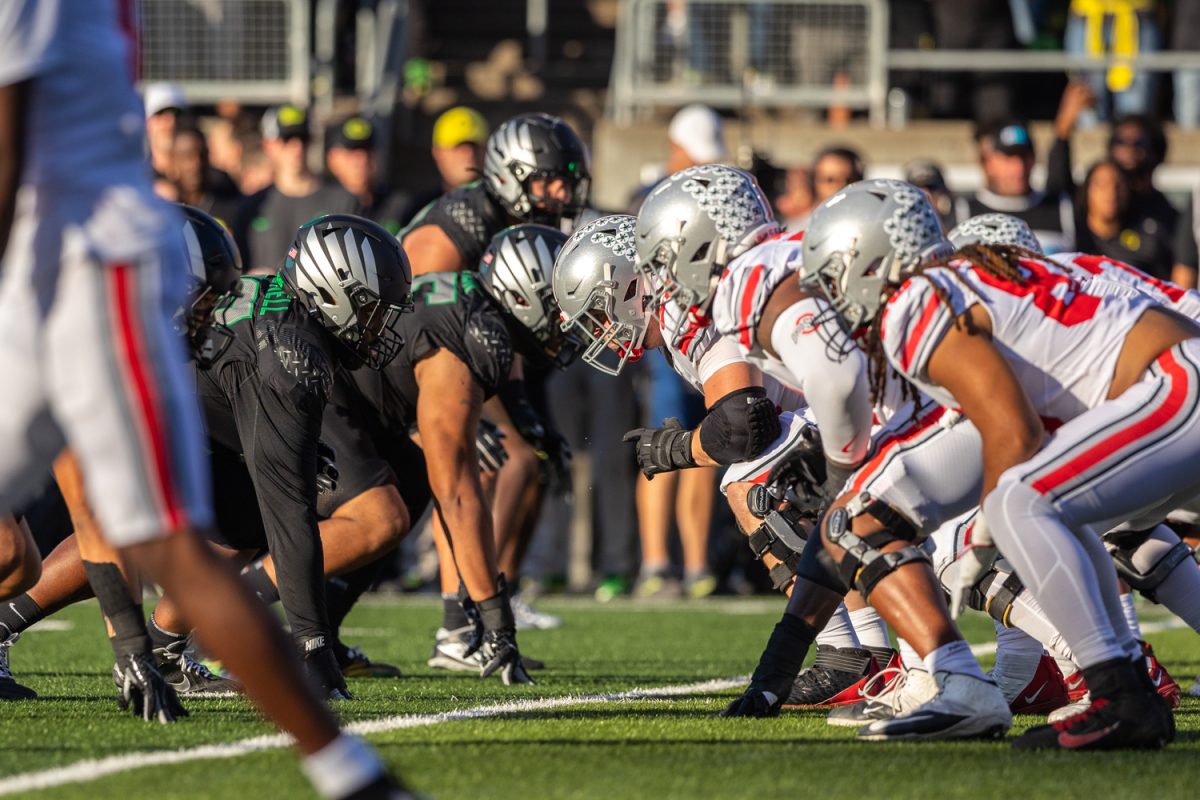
{"x": 1144, "y": 559}
{"x": 996, "y": 604}
{"x": 781, "y": 536}
{"x": 865, "y": 564}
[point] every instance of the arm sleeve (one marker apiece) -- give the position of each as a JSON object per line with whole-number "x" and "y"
{"x": 279, "y": 426}
{"x": 837, "y": 391}
{"x": 27, "y": 29}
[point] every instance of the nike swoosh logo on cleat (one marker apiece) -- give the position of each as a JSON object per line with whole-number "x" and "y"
{"x": 1073, "y": 741}
{"x": 1029, "y": 698}
{"x": 1156, "y": 679}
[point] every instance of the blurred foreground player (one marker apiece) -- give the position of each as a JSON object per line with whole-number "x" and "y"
{"x": 93, "y": 273}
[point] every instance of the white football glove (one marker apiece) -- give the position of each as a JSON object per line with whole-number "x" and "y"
{"x": 977, "y": 557}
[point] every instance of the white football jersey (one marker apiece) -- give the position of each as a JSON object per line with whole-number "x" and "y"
{"x": 1089, "y": 268}
{"x": 1062, "y": 342}
{"x": 86, "y": 124}
{"x": 747, "y": 285}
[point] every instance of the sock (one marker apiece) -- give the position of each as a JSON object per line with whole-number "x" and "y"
{"x": 838, "y": 632}
{"x": 342, "y": 767}
{"x": 18, "y": 614}
{"x": 1066, "y": 666}
{"x": 870, "y": 629}
{"x": 453, "y": 616}
{"x": 1027, "y": 615}
{"x": 1129, "y": 608}
{"x": 260, "y": 582}
{"x": 160, "y": 636}
{"x": 127, "y": 617}
{"x": 954, "y": 657}
{"x": 649, "y": 570}
{"x": 1017, "y": 658}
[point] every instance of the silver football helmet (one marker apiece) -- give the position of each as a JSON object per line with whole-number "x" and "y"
{"x": 994, "y": 229}
{"x": 692, "y": 225}
{"x": 354, "y": 277}
{"x": 516, "y": 272}
{"x": 533, "y": 149}
{"x": 603, "y": 297}
{"x": 865, "y": 238}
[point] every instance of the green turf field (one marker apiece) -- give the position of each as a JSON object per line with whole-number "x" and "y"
{"x": 592, "y": 747}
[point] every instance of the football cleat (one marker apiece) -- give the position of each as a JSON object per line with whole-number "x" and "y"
{"x": 699, "y": 585}
{"x": 1141, "y": 722}
{"x": 529, "y": 618}
{"x": 1071, "y": 709}
{"x": 9, "y": 688}
{"x": 1164, "y": 684}
{"x": 450, "y": 650}
{"x": 836, "y": 678}
{"x": 1045, "y": 692}
{"x": 889, "y": 692}
{"x": 188, "y": 676}
{"x": 965, "y": 707}
{"x": 354, "y": 663}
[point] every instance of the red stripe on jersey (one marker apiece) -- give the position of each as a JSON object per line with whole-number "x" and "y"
{"x": 891, "y": 443}
{"x": 1096, "y": 264}
{"x": 747, "y": 304}
{"x": 914, "y": 339}
{"x": 695, "y": 324}
{"x": 1143, "y": 427}
{"x": 1041, "y": 283}
{"x": 147, "y": 409}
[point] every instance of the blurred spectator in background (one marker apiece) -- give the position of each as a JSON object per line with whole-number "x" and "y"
{"x": 1006, "y": 156}
{"x": 351, "y": 159}
{"x": 267, "y": 221}
{"x": 229, "y": 138}
{"x": 794, "y": 205}
{"x": 197, "y": 182}
{"x": 1121, "y": 28}
{"x": 834, "y": 169}
{"x": 257, "y": 172}
{"x": 164, "y": 104}
{"x": 1185, "y": 28}
{"x": 972, "y": 25}
{"x": 459, "y": 136}
{"x": 1109, "y": 224}
{"x": 1136, "y": 145}
{"x": 928, "y": 176}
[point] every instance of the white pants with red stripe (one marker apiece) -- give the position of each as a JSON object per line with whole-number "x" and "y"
{"x": 926, "y": 466}
{"x": 89, "y": 360}
{"x": 1135, "y": 457}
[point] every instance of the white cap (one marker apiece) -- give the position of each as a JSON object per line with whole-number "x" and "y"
{"x": 698, "y": 130}
{"x": 161, "y": 96}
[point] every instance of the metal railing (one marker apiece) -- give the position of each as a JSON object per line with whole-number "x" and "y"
{"x": 255, "y": 51}
{"x": 734, "y": 53}
{"x": 1034, "y": 61}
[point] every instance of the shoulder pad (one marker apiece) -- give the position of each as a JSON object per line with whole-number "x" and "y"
{"x": 299, "y": 357}
{"x": 489, "y": 348}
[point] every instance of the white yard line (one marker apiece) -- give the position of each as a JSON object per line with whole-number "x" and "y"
{"x": 91, "y": 769}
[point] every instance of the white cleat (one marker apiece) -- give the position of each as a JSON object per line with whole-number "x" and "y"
{"x": 450, "y": 651}
{"x": 965, "y": 707}
{"x": 529, "y": 618}
{"x": 888, "y": 693}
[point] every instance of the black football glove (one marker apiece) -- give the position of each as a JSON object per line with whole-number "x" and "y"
{"x": 144, "y": 691}
{"x": 320, "y": 664}
{"x": 777, "y": 669}
{"x": 490, "y": 447}
{"x": 664, "y": 449}
{"x": 497, "y": 645}
{"x": 555, "y": 458}
{"x": 327, "y": 471}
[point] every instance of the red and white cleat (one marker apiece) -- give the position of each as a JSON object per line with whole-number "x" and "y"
{"x": 1045, "y": 692}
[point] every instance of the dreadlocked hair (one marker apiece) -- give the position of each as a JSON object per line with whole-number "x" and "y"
{"x": 1000, "y": 260}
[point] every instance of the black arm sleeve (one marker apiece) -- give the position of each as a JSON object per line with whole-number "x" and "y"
{"x": 279, "y": 426}
{"x": 1059, "y": 179}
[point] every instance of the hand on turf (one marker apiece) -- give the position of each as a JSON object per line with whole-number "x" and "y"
{"x": 974, "y": 560}
{"x": 145, "y": 692}
{"x": 499, "y": 653}
{"x": 754, "y": 702}
{"x": 322, "y": 668}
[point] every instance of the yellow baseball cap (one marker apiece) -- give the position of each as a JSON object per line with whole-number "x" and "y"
{"x": 459, "y": 124}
